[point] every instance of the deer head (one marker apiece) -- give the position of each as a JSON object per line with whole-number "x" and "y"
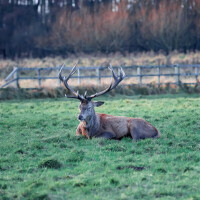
{"x": 87, "y": 105}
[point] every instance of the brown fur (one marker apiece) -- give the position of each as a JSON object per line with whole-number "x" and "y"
{"x": 119, "y": 127}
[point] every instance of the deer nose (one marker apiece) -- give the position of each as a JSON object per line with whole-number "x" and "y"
{"x": 80, "y": 117}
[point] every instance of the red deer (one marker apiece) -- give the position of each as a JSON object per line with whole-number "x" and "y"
{"x": 107, "y": 126}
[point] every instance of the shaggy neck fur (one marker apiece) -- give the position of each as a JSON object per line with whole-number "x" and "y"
{"x": 92, "y": 125}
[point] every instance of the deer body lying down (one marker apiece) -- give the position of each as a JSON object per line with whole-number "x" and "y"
{"x": 107, "y": 126}
{"x": 112, "y": 127}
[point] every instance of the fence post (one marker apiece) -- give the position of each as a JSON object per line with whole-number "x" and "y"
{"x": 98, "y": 75}
{"x": 177, "y": 72}
{"x": 139, "y": 73}
{"x": 59, "y": 82}
{"x": 158, "y": 70}
{"x": 17, "y": 77}
{"x": 79, "y": 79}
{"x": 39, "y": 80}
{"x": 196, "y": 75}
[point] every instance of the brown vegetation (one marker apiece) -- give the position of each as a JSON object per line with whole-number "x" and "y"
{"x": 93, "y": 26}
{"x": 133, "y": 89}
{"x": 99, "y": 59}
{"x": 117, "y": 59}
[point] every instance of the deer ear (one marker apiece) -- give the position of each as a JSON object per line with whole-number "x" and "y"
{"x": 98, "y": 103}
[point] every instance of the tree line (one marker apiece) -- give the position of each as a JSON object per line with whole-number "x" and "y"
{"x": 38, "y": 28}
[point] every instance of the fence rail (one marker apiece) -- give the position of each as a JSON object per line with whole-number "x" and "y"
{"x": 15, "y": 75}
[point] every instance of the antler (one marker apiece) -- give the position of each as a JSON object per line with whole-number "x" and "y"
{"x": 65, "y": 81}
{"x": 117, "y": 80}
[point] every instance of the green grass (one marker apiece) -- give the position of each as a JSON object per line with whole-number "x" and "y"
{"x": 41, "y": 157}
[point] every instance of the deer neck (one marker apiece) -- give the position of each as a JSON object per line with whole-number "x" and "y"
{"x": 92, "y": 125}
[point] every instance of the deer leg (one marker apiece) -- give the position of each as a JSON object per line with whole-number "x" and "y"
{"x": 107, "y": 135}
{"x": 135, "y": 134}
{"x": 138, "y": 134}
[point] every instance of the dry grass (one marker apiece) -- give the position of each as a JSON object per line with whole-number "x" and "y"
{"x": 129, "y": 90}
{"x": 105, "y": 81}
{"x": 117, "y": 59}
{"x": 149, "y": 58}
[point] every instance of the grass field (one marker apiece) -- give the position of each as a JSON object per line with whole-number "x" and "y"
{"x": 41, "y": 158}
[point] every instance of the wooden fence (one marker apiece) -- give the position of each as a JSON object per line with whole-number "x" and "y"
{"x": 15, "y": 75}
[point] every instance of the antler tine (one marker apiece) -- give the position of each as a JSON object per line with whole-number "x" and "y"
{"x": 65, "y": 81}
{"x": 59, "y": 75}
{"x": 111, "y": 69}
{"x": 85, "y": 95}
{"x": 122, "y": 73}
{"x": 72, "y": 71}
{"x": 117, "y": 80}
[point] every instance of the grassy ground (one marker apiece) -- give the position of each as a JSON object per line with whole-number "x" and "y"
{"x": 41, "y": 158}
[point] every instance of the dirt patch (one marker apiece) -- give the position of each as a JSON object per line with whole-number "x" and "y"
{"x": 136, "y": 168}
{"x": 52, "y": 164}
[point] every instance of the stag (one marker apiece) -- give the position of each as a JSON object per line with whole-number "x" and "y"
{"x": 97, "y": 125}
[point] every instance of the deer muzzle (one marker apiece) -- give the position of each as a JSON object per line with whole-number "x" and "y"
{"x": 80, "y": 117}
